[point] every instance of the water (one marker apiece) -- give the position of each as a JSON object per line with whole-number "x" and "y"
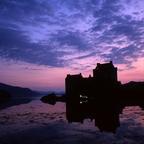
{"x": 37, "y": 122}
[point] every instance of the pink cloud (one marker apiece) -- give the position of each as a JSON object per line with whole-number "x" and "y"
{"x": 33, "y": 76}
{"x": 136, "y": 73}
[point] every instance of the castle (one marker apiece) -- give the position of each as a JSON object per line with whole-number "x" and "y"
{"x": 104, "y": 77}
{"x": 106, "y": 73}
{"x": 101, "y": 97}
{"x": 86, "y": 97}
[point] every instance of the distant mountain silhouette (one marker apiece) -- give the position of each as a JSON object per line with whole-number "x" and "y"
{"x": 134, "y": 84}
{"x": 15, "y": 91}
{"x": 14, "y": 95}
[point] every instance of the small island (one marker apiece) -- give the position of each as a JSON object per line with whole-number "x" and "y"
{"x": 52, "y": 98}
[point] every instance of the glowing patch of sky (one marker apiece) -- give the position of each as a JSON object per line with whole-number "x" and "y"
{"x": 57, "y": 37}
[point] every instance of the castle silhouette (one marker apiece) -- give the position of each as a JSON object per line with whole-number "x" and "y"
{"x": 101, "y": 97}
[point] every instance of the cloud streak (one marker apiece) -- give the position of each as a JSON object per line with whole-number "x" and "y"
{"x": 72, "y": 34}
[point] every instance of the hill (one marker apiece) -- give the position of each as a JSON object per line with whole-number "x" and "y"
{"x": 16, "y": 91}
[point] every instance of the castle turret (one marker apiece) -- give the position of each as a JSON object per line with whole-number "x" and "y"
{"x": 105, "y": 72}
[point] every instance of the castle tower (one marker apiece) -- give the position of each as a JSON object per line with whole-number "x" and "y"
{"x": 105, "y": 72}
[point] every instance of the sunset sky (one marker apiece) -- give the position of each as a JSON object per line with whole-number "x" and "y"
{"x": 41, "y": 41}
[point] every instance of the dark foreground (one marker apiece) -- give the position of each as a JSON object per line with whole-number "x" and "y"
{"x": 37, "y": 123}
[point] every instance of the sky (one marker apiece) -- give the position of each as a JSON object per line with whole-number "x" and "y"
{"x": 41, "y": 41}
